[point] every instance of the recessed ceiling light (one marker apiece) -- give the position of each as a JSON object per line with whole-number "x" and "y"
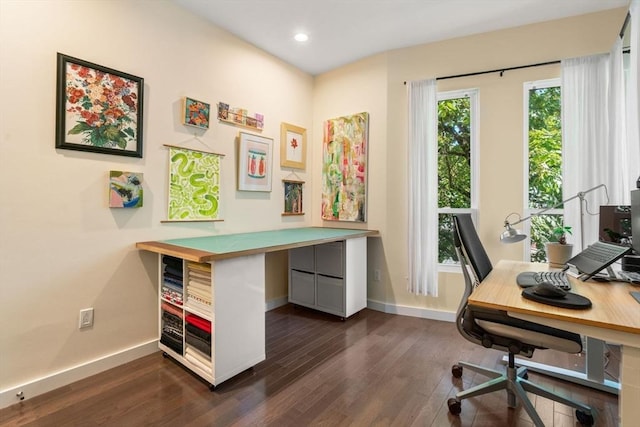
{"x": 301, "y": 37}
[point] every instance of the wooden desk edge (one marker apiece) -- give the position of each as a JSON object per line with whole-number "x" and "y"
{"x": 549, "y": 315}
{"x": 198, "y": 255}
{"x": 544, "y": 310}
{"x": 174, "y": 250}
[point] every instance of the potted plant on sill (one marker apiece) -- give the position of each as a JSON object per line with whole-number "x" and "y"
{"x": 558, "y": 250}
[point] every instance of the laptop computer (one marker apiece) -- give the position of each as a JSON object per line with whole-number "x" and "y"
{"x": 585, "y": 265}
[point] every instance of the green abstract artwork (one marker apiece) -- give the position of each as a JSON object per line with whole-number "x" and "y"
{"x": 194, "y": 185}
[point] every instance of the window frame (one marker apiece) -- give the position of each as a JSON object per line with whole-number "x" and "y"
{"x": 474, "y": 123}
{"x": 526, "y": 210}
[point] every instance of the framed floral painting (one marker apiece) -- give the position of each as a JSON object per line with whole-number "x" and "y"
{"x": 98, "y": 109}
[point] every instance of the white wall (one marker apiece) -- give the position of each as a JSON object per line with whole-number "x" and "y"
{"x": 61, "y": 248}
{"x": 376, "y": 85}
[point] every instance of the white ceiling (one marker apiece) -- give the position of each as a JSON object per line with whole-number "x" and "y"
{"x": 342, "y": 31}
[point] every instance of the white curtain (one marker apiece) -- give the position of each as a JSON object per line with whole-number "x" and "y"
{"x": 585, "y": 132}
{"x": 633, "y": 92}
{"x": 423, "y": 187}
{"x": 599, "y": 146}
{"x": 620, "y": 176}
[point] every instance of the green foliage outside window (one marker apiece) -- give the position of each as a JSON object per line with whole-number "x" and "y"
{"x": 545, "y": 165}
{"x": 454, "y": 168}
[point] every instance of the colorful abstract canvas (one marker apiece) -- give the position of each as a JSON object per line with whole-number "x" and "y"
{"x": 125, "y": 189}
{"x": 194, "y": 185}
{"x": 344, "y": 168}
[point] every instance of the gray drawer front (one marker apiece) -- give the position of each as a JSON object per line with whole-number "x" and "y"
{"x": 302, "y": 258}
{"x": 330, "y": 259}
{"x": 302, "y": 288}
{"x": 331, "y": 293}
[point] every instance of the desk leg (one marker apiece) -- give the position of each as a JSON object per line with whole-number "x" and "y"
{"x": 594, "y": 359}
{"x": 593, "y": 377}
{"x": 628, "y": 408}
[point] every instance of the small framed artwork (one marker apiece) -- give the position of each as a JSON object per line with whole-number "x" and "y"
{"x": 255, "y": 158}
{"x": 293, "y": 146}
{"x": 125, "y": 189}
{"x": 98, "y": 109}
{"x": 292, "y": 197}
{"x": 223, "y": 111}
{"x": 196, "y": 113}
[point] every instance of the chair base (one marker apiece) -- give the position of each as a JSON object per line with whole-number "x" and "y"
{"x": 515, "y": 382}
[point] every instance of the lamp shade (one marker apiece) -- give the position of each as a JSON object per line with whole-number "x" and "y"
{"x": 510, "y": 235}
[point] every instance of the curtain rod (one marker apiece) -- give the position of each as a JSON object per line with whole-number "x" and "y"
{"x": 624, "y": 25}
{"x": 502, "y": 70}
{"x": 497, "y": 70}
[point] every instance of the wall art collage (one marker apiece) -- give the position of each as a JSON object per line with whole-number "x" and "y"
{"x": 100, "y": 110}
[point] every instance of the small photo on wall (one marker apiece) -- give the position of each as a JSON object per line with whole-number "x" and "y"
{"x": 125, "y": 189}
{"x": 223, "y": 111}
{"x": 196, "y": 113}
{"x": 292, "y": 197}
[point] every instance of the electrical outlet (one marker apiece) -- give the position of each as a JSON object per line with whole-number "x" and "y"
{"x": 86, "y": 318}
{"x": 376, "y": 275}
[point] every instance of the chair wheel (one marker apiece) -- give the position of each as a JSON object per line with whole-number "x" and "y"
{"x": 456, "y": 371}
{"x": 584, "y": 418}
{"x": 455, "y": 406}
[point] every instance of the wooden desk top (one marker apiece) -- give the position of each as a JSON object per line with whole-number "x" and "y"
{"x": 208, "y": 248}
{"x": 613, "y": 306}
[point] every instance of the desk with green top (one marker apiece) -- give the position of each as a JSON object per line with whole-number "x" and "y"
{"x": 327, "y": 271}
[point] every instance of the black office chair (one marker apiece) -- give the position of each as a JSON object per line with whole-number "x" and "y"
{"x": 495, "y": 329}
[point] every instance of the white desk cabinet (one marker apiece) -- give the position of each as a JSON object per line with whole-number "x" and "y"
{"x": 330, "y": 277}
{"x": 235, "y": 313}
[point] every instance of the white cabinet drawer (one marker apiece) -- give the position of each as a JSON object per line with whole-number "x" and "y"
{"x": 302, "y": 259}
{"x": 330, "y": 293}
{"x": 330, "y": 259}
{"x": 302, "y": 288}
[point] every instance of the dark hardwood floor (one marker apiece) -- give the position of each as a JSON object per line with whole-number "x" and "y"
{"x": 373, "y": 369}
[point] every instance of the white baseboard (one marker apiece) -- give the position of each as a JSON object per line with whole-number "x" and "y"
{"x": 276, "y": 302}
{"x": 67, "y": 376}
{"x": 425, "y": 313}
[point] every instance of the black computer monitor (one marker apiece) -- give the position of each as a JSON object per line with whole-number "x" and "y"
{"x": 616, "y": 224}
{"x": 635, "y": 220}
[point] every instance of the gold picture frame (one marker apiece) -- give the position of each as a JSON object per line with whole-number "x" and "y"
{"x": 293, "y": 146}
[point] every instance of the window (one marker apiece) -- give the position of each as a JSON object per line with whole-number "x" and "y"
{"x": 457, "y": 141}
{"x": 544, "y": 164}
